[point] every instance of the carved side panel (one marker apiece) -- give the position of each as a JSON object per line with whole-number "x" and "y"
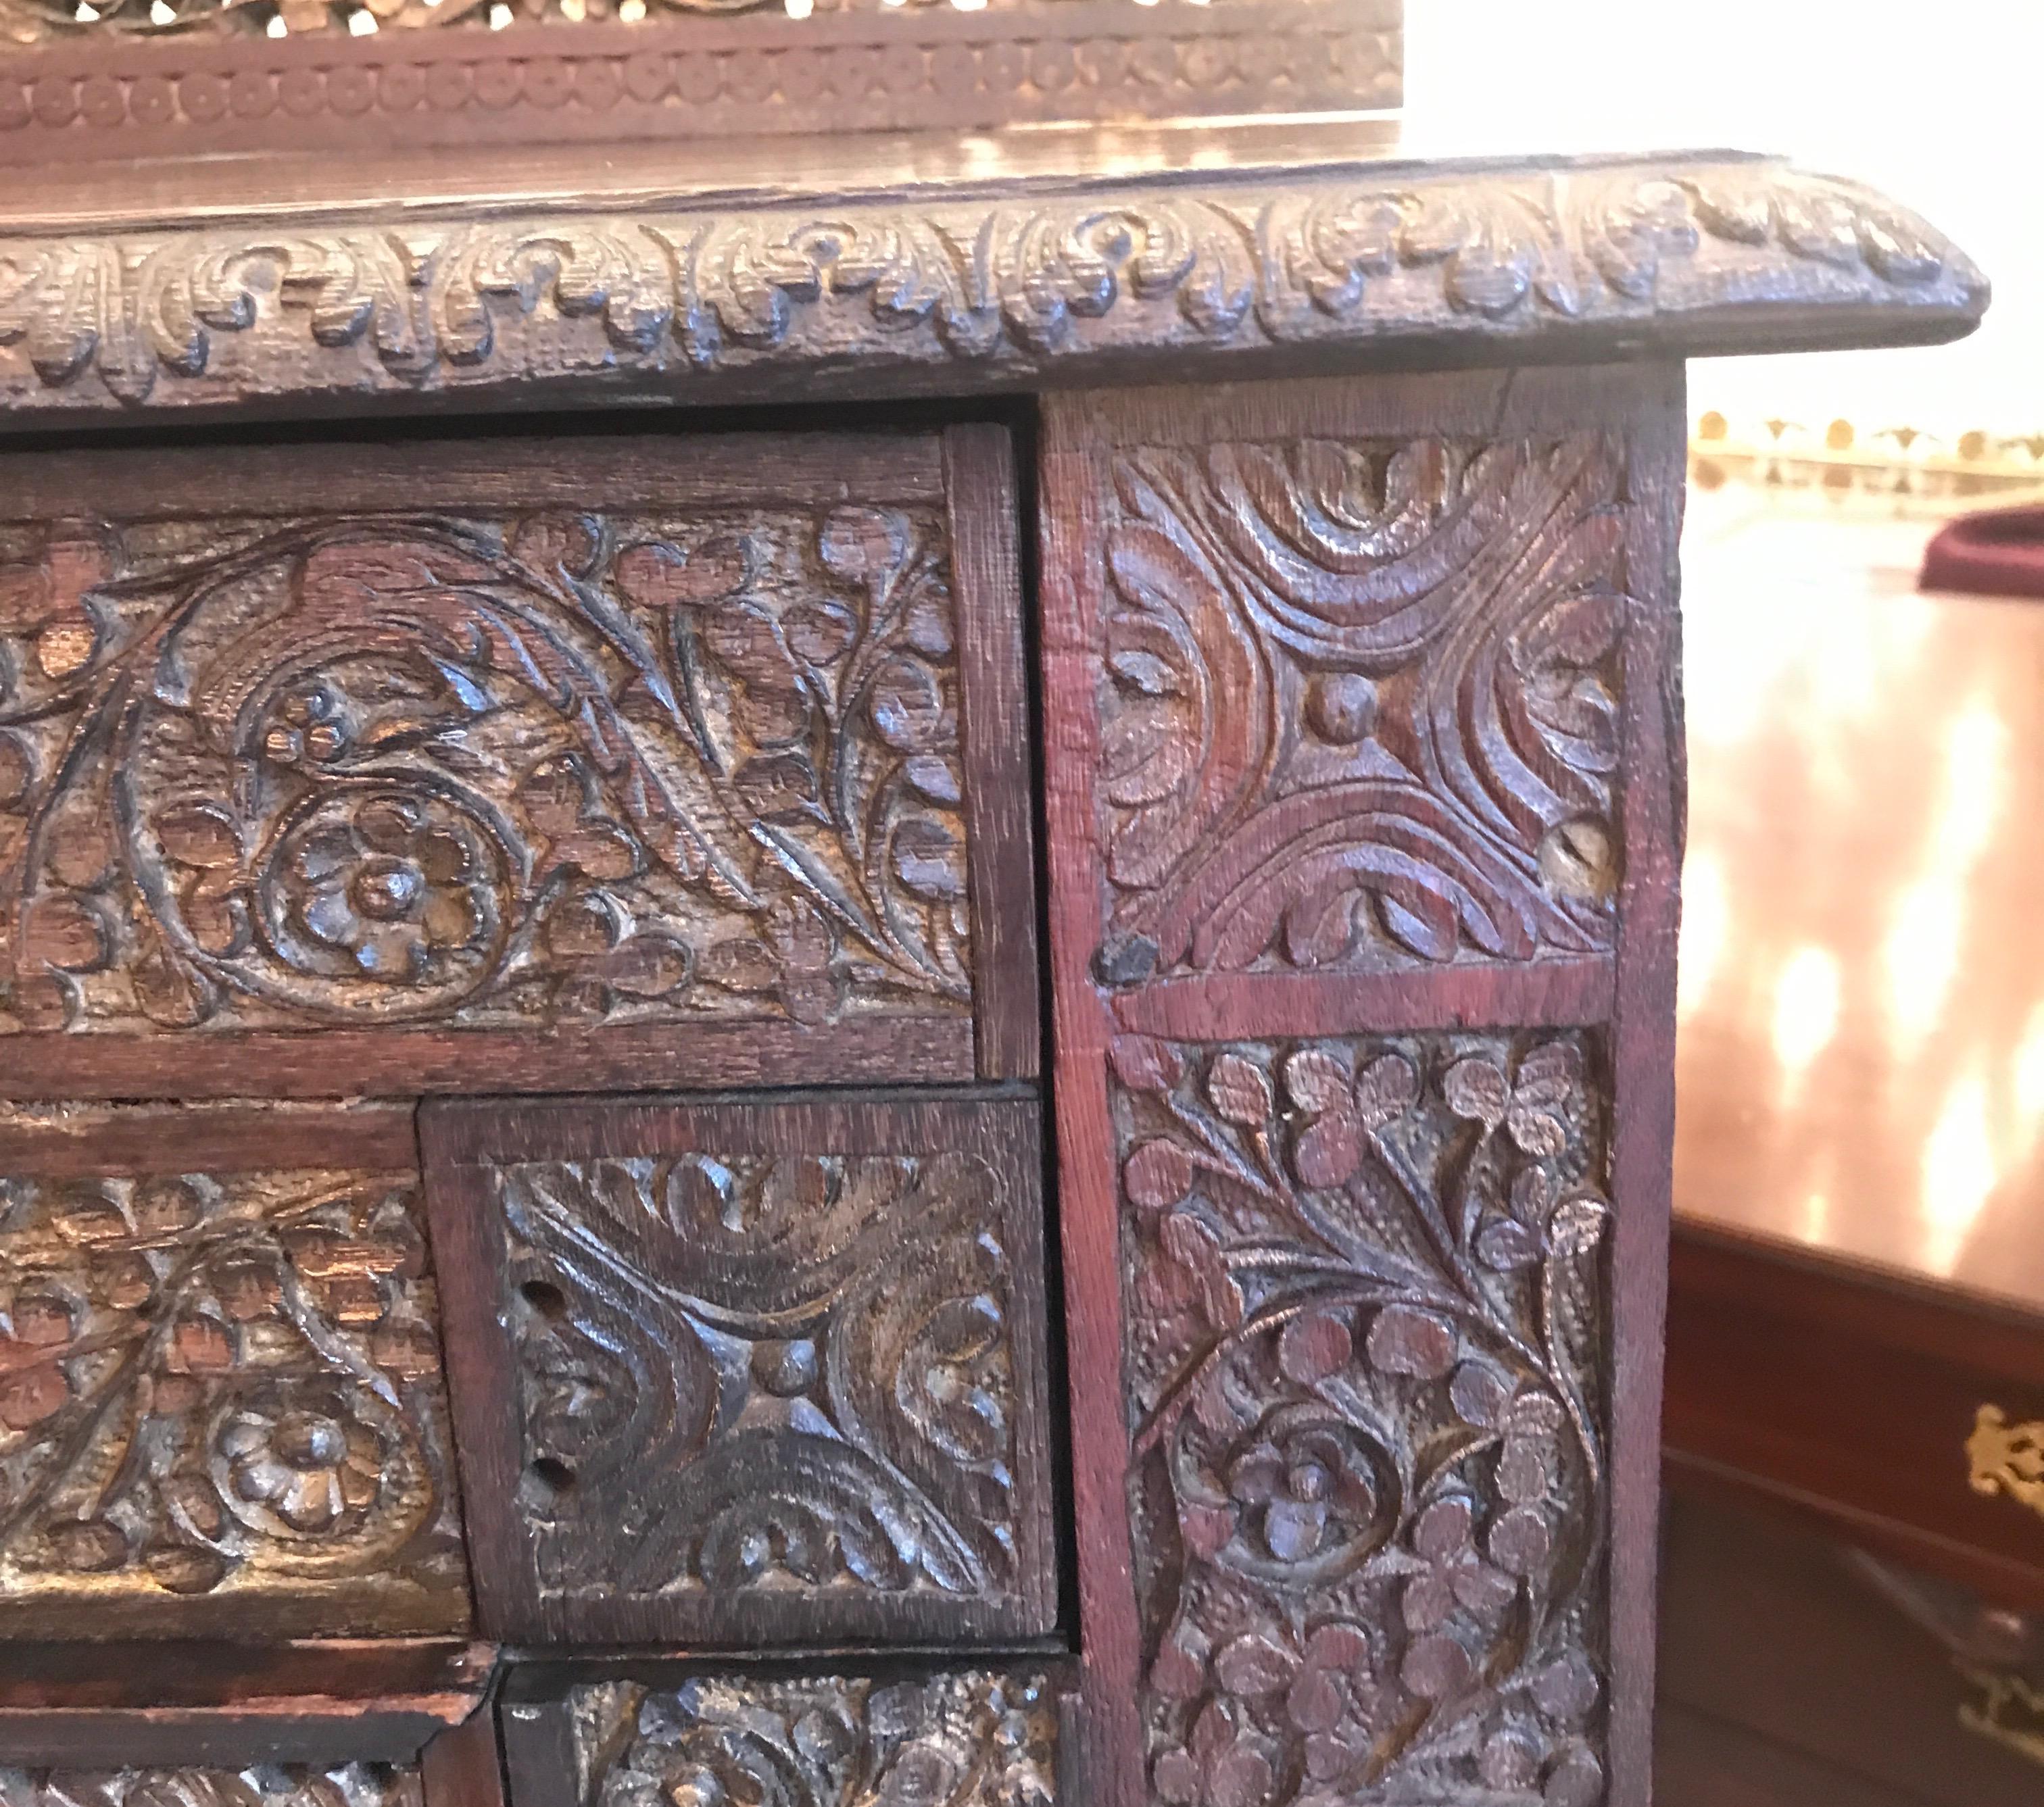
{"x": 222, "y": 1409}
{"x": 963, "y": 1738}
{"x": 1360, "y": 703}
{"x": 497, "y": 767}
{"x": 1367, "y": 1330}
{"x": 1363, "y": 814}
{"x": 261, "y": 1785}
{"x": 763, "y": 1382}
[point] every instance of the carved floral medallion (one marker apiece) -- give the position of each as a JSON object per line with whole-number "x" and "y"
{"x": 1367, "y": 1331}
{"x": 483, "y": 772}
{"x": 219, "y": 1392}
{"x": 1359, "y": 704}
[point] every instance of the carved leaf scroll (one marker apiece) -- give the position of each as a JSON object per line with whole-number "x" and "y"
{"x": 963, "y": 1738}
{"x": 1366, "y": 1332}
{"x": 489, "y": 772}
{"x": 260, "y": 1784}
{"x": 1359, "y": 704}
{"x": 222, "y": 1392}
{"x": 791, "y": 1377}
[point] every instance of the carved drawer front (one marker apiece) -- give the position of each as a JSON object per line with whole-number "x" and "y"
{"x": 960, "y": 1737}
{"x": 572, "y": 764}
{"x": 749, "y": 1374}
{"x": 222, "y": 1410}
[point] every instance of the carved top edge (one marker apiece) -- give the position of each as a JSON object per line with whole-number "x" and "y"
{"x": 960, "y": 286}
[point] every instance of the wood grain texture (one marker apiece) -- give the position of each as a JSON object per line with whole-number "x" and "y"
{"x": 464, "y": 1766}
{"x": 427, "y": 783}
{"x": 750, "y": 1375}
{"x": 1361, "y": 720}
{"x": 996, "y": 738}
{"x": 964, "y": 1737}
{"x": 856, "y": 279}
{"x": 221, "y": 1405}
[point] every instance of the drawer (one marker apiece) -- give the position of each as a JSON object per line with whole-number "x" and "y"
{"x": 748, "y": 1374}
{"x": 513, "y": 765}
{"x": 963, "y": 1737}
{"x": 222, "y": 1411}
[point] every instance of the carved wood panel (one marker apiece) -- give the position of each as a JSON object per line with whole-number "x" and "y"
{"x": 963, "y": 1738}
{"x": 222, "y": 1410}
{"x": 258, "y": 1785}
{"x": 750, "y": 1374}
{"x": 1363, "y": 801}
{"x": 493, "y": 764}
{"x": 1367, "y": 1330}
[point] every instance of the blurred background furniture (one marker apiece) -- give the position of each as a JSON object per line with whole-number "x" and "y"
{"x": 1856, "y": 1315}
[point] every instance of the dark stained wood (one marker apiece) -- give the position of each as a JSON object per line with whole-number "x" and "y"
{"x": 1266, "y": 782}
{"x": 650, "y": 777}
{"x": 464, "y": 1766}
{"x": 831, "y": 269}
{"x": 997, "y": 739}
{"x": 967, "y": 1737}
{"x": 1769, "y": 1633}
{"x": 166, "y": 1703}
{"x": 763, "y": 1374}
{"x": 1703, "y": 1761}
{"x": 1848, "y": 1395}
{"x": 221, "y": 1382}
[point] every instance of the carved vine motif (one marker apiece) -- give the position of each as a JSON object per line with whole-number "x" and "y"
{"x": 812, "y": 1353}
{"x": 553, "y": 769}
{"x": 1360, "y": 704}
{"x": 265, "y": 1785}
{"x": 1366, "y": 1324}
{"x": 1003, "y": 287}
{"x": 961, "y": 1739}
{"x": 224, "y": 1384}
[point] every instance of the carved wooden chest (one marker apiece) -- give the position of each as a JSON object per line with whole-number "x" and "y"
{"x": 557, "y": 1241}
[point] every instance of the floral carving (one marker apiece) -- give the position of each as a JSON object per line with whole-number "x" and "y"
{"x": 492, "y": 772}
{"x": 225, "y": 1388}
{"x": 1360, "y": 704}
{"x": 962, "y": 1739}
{"x": 262, "y": 1784}
{"x": 986, "y": 290}
{"x": 816, "y": 1356}
{"x": 1367, "y": 1494}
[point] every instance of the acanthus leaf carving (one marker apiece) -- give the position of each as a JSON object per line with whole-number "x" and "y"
{"x": 993, "y": 286}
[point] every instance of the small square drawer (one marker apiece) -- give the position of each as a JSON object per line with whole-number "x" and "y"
{"x": 993, "y": 1736}
{"x": 222, "y": 1413}
{"x": 513, "y": 765}
{"x": 749, "y": 1374}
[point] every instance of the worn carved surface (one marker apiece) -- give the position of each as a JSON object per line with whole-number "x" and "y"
{"x": 1360, "y": 704}
{"x": 962, "y": 1739}
{"x": 771, "y": 300}
{"x": 777, "y": 1394}
{"x": 260, "y": 1784}
{"x": 221, "y": 1405}
{"x": 479, "y": 771}
{"x": 1367, "y": 1332}
{"x": 146, "y": 77}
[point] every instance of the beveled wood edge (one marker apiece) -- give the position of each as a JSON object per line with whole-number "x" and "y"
{"x": 958, "y": 285}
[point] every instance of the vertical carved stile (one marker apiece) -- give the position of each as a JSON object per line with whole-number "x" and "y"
{"x": 1362, "y": 833}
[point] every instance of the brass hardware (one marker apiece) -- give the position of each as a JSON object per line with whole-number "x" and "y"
{"x": 2007, "y": 1459}
{"x": 2009, "y": 1711}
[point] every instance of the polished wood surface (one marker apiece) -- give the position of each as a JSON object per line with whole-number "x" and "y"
{"x": 1860, "y": 1061}
{"x": 1856, "y": 1319}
